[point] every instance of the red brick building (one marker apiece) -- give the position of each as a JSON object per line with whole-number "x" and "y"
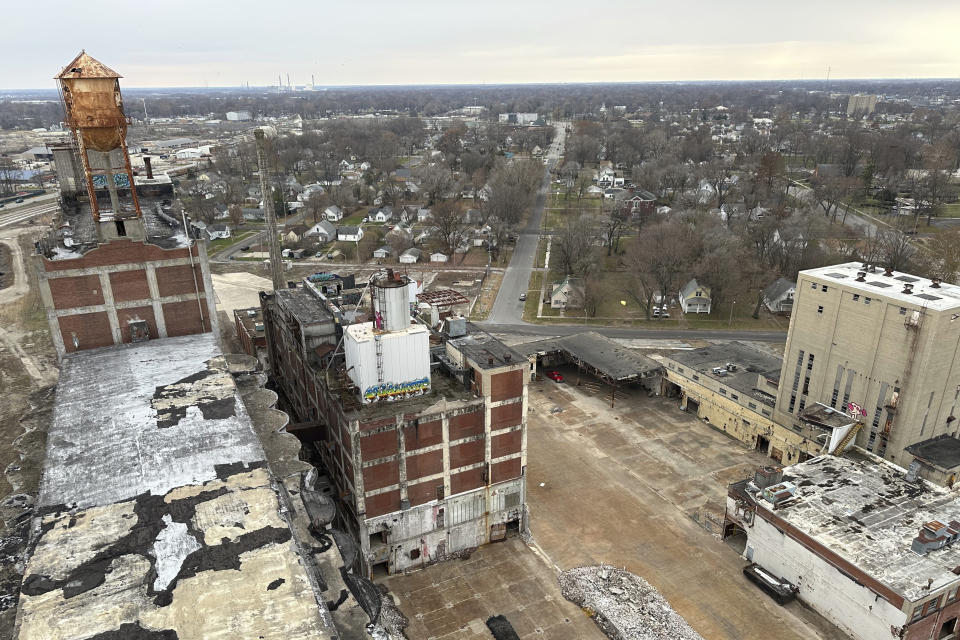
{"x": 420, "y": 478}
{"x": 119, "y": 264}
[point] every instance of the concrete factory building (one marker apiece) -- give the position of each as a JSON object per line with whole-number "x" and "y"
{"x": 733, "y": 387}
{"x": 421, "y": 427}
{"x": 869, "y": 546}
{"x": 879, "y": 346}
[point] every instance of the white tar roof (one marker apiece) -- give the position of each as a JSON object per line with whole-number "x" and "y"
{"x": 924, "y": 295}
{"x": 363, "y": 331}
{"x": 862, "y": 508}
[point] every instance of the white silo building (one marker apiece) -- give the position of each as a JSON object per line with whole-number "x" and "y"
{"x": 388, "y": 358}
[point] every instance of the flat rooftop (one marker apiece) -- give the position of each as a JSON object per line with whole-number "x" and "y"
{"x": 942, "y": 451}
{"x": 862, "y": 508}
{"x": 307, "y": 307}
{"x": 157, "y": 504}
{"x": 924, "y": 295}
{"x": 598, "y": 352}
{"x": 750, "y": 363}
{"x": 823, "y": 416}
{"x": 485, "y": 350}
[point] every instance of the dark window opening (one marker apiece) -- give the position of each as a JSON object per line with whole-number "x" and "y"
{"x": 414, "y": 554}
{"x": 948, "y": 629}
{"x": 121, "y": 229}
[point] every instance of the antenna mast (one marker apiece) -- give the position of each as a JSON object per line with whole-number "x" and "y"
{"x": 276, "y": 264}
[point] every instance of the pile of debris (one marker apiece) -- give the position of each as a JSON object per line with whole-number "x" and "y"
{"x": 624, "y": 606}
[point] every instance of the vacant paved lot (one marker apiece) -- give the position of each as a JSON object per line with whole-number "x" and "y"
{"x": 620, "y": 486}
{"x": 452, "y": 600}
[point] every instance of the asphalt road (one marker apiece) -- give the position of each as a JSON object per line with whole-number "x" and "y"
{"x": 629, "y": 333}
{"x": 507, "y": 308}
{"x": 14, "y": 214}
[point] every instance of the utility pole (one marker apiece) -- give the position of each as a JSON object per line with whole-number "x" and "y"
{"x": 276, "y": 263}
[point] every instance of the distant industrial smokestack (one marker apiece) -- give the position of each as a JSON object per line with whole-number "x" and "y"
{"x": 149, "y": 167}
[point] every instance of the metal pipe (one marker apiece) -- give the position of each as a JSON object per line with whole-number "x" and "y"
{"x": 193, "y": 270}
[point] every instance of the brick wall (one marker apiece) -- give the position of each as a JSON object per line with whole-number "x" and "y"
{"x": 423, "y": 492}
{"x": 505, "y": 470}
{"x": 183, "y": 318}
{"x": 467, "y": 453}
{"x": 466, "y": 424}
{"x": 136, "y": 313}
{"x": 506, "y": 385}
{"x": 506, "y": 415}
{"x": 116, "y": 252}
{"x": 178, "y": 280}
{"x": 425, "y": 434}
{"x": 92, "y": 330}
{"x": 506, "y": 443}
{"x": 76, "y": 291}
{"x": 383, "y": 503}
{"x": 381, "y": 475}
{"x": 466, "y": 480}
{"x": 425, "y": 464}
{"x": 129, "y": 285}
{"x": 378, "y": 445}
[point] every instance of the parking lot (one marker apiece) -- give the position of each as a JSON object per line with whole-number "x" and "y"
{"x": 635, "y": 486}
{"x": 624, "y": 486}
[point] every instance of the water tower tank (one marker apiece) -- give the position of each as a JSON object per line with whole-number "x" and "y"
{"x": 391, "y": 301}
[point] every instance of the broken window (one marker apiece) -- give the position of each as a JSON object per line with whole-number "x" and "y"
{"x": 856, "y": 297}
{"x": 414, "y": 554}
{"x": 820, "y": 309}
{"x": 121, "y": 228}
{"x": 824, "y": 288}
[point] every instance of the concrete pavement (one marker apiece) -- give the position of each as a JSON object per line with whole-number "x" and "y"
{"x": 552, "y": 330}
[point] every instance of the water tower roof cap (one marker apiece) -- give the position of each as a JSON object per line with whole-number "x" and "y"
{"x": 86, "y": 66}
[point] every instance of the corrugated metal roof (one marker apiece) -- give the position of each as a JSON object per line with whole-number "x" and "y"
{"x": 86, "y": 66}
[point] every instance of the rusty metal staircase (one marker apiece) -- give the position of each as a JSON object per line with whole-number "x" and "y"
{"x": 847, "y": 439}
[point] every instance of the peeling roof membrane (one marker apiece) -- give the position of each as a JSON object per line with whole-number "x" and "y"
{"x": 863, "y": 508}
{"x": 158, "y": 516}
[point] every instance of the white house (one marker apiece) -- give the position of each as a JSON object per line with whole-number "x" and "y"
{"x": 333, "y": 213}
{"x": 384, "y": 214}
{"x": 383, "y": 252}
{"x": 437, "y": 256}
{"x": 695, "y": 298}
{"x": 324, "y": 231}
{"x": 217, "y": 230}
{"x": 350, "y": 234}
{"x": 423, "y": 215}
{"x": 410, "y": 256}
{"x": 567, "y": 293}
{"x": 778, "y": 296}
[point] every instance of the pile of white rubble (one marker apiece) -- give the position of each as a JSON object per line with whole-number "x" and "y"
{"x": 625, "y": 606}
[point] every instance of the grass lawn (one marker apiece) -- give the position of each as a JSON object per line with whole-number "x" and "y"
{"x": 353, "y": 219}
{"x": 950, "y": 210}
{"x": 222, "y": 243}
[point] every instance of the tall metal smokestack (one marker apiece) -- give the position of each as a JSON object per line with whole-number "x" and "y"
{"x": 288, "y": 81}
{"x": 276, "y": 264}
{"x": 313, "y": 82}
{"x": 146, "y": 163}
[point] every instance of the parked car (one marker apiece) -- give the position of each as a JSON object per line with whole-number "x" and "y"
{"x": 245, "y": 247}
{"x": 19, "y": 200}
{"x": 523, "y": 297}
{"x": 555, "y": 376}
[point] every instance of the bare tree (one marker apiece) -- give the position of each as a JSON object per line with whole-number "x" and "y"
{"x": 830, "y": 194}
{"x": 895, "y": 249}
{"x": 448, "y": 218}
{"x": 573, "y": 245}
{"x": 660, "y": 258}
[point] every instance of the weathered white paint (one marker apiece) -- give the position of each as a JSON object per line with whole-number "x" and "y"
{"x": 172, "y": 546}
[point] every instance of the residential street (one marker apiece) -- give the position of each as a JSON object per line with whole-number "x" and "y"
{"x": 508, "y": 309}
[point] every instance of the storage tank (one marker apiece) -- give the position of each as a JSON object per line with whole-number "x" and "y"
{"x": 399, "y": 368}
{"x": 391, "y": 301}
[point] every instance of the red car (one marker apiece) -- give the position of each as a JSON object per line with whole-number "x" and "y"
{"x": 555, "y": 376}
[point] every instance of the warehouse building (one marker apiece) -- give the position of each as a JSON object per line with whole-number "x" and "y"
{"x": 865, "y": 543}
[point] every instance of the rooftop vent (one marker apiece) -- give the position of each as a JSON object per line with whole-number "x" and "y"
{"x": 935, "y": 535}
{"x": 872, "y": 268}
{"x": 887, "y": 271}
{"x": 907, "y": 288}
{"x": 935, "y": 283}
{"x": 861, "y": 276}
{"x": 506, "y": 357}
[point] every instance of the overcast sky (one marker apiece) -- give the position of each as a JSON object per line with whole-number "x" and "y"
{"x": 176, "y": 43}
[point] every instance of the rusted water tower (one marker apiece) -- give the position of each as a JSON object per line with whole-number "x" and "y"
{"x": 94, "y": 113}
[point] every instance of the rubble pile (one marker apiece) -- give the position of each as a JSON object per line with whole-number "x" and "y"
{"x": 625, "y": 606}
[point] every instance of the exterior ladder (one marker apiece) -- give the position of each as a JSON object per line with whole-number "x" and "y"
{"x": 847, "y": 439}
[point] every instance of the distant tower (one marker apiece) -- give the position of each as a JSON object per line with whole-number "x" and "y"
{"x": 94, "y": 114}
{"x": 276, "y": 264}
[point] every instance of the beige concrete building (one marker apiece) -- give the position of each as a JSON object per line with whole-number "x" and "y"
{"x": 733, "y": 387}
{"x": 876, "y": 344}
